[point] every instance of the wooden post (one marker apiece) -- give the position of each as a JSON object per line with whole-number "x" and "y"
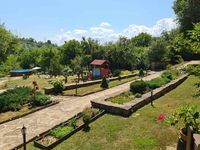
{"x": 189, "y": 138}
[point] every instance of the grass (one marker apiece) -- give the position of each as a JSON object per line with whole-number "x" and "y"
{"x": 41, "y": 81}
{"x": 96, "y": 87}
{"x": 122, "y": 98}
{"x": 60, "y": 132}
{"x": 140, "y": 131}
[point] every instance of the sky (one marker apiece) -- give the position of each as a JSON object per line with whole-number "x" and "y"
{"x": 104, "y": 20}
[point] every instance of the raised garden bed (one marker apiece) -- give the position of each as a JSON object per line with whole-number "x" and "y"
{"x": 63, "y": 131}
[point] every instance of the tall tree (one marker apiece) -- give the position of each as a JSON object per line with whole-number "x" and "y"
{"x": 187, "y": 12}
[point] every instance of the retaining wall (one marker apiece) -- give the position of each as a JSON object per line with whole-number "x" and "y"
{"x": 128, "y": 108}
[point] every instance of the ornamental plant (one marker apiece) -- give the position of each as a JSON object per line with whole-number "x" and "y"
{"x": 104, "y": 83}
{"x": 185, "y": 116}
{"x": 58, "y": 86}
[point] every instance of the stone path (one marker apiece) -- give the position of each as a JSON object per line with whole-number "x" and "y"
{"x": 38, "y": 122}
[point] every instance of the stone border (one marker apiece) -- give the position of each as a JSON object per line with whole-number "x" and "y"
{"x": 128, "y": 108}
{"x": 37, "y": 109}
{"x": 51, "y": 146}
{"x": 50, "y": 90}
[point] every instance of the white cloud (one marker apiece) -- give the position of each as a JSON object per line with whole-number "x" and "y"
{"x": 105, "y": 33}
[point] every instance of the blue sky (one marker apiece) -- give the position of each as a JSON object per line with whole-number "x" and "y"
{"x": 51, "y": 19}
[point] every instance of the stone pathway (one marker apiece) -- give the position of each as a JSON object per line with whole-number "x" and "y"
{"x": 38, "y": 122}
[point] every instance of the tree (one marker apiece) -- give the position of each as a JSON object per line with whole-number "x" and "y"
{"x": 142, "y": 39}
{"x": 69, "y": 51}
{"x": 158, "y": 54}
{"x": 55, "y": 68}
{"x": 187, "y": 12}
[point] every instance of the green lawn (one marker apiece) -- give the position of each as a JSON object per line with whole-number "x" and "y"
{"x": 96, "y": 87}
{"x": 122, "y": 98}
{"x": 140, "y": 131}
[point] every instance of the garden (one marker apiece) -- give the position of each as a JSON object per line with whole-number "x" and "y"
{"x": 114, "y": 132}
{"x": 140, "y": 87}
{"x": 19, "y": 101}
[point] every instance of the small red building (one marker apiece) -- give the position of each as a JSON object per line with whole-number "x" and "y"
{"x": 100, "y": 68}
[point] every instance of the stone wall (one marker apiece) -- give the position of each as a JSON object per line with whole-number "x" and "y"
{"x": 49, "y": 90}
{"x": 128, "y": 108}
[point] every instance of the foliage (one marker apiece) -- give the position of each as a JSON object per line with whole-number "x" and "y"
{"x": 185, "y": 116}
{"x": 25, "y": 76}
{"x": 157, "y": 82}
{"x": 158, "y": 54}
{"x": 141, "y": 73}
{"x": 39, "y": 99}
{"x": 167, "y": 74}
{"x": 60, "y": 132}
{"x": 138, "y": 87}
{"x": 72, "y": 122}
{"x": 90, "y": 111}
{"x": 142, "y": 39}
{"x": 104, "y": 83}
{"x": 86, "y": 118}
{"x": 55, "y": 68}
{"x": 14, "y": 99}
{"x": 116, "y": 72}
{"x": 58, "y": 86}
{"x": 138, "y": 95}
{"x": 187, "y": 12}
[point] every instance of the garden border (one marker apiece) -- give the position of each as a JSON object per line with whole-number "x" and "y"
{"x": 20, "y": 116}
{"x": 127, "y": 109}
{"x": 37, "y": 144}
{"x": 46, "y": 132}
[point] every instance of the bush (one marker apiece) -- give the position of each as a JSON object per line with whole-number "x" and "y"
{"x": 90, "y": 111}
{"x": 58, "y": 86}
{"x": 138, "y": 87}
{"x": 2, "y": 74}
{"x": 167, "y": 74}
{"x": 72, "y": 122}
{"x": 25, "y": 77}
{"x": 141, "y": 73}
{"x": 104, "y": 83}
{"x": 138, "y": 95}
{"x": 157, "y": 82}
{"x": 116, "y": 73}
{"x": 40, "y": 99}
{"x": 86, "y": 119}
{"x": 14, "y": 99}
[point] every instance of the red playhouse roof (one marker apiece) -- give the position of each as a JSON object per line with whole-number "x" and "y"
{"x": 98, "y": 62}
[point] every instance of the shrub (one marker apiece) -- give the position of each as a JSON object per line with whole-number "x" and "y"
{"x": 2, "y": 74}
{"x": 157, "y": 82}
{"x": 138, "y": 95}
{"x": 141, "y": 73}
{"x": 72, "y": 122}
{"x": 60, "y": 132}
{"x": 104, "y": 83}
{"x": 14, "y": 99}
{"x": 86, "y": 119}
{"x": 58, "y": 86}
{"x": 167, "y": 74}
{"x": 116, "y": 73}
{"x": 25, "y": 77}
{"x": 40, "y": 99}
{"x": 138, "y": 87}
{"x": 125, "y": 72}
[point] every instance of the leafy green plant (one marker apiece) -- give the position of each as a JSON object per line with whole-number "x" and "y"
{"x": 104, "y": 83}
{"x": 138, "y": 95}
{"x": 90, "y": 111}
{"x": 185, "y": 116}
{"x": 60, "y": 132}
{"x": 14, "y": 99}
{"x": 167, "y": 74}
{"x": 86, "y": 118}
{"x": 138, "y": 87}
{"x": 25, "y": 76}
{"x": 40, "y": 99}
{"x": 141, "y": 73}
{"x": 58, "y": 86}
{"x": 72, "y": 122}
{"x": 116, "y": 73}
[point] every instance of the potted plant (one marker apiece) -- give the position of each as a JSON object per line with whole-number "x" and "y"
{"x": 184, "y": 117}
